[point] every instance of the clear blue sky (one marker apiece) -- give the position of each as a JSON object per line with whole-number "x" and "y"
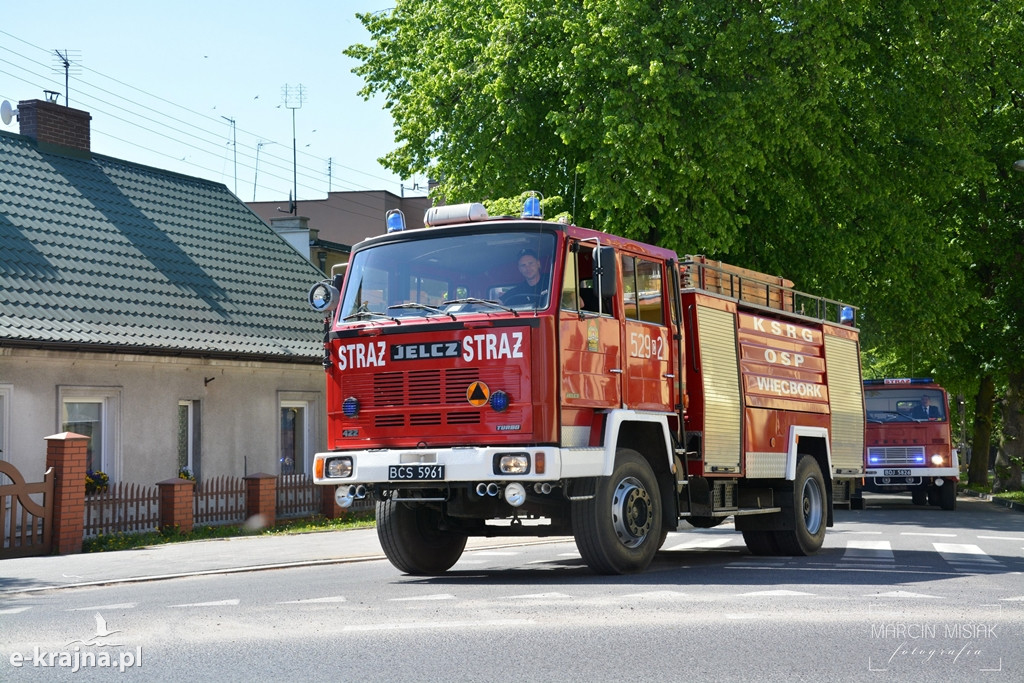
{"x": 161, "y": 80}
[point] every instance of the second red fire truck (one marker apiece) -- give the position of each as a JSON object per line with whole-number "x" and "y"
{"x": 909, "y": 441}
{"x": 495, "y": 376}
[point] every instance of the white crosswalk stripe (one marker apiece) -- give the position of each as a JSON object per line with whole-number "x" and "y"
{"x": 707, "y": 543}
{"x": 968, "y": 557}
{"x": 869, "y": 551}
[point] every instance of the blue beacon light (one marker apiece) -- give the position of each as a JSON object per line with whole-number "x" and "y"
{"x": 531, "y": 206}
{"x": 395, "y": 220}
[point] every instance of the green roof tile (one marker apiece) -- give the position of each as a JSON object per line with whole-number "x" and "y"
{"x": 103, "y": 253}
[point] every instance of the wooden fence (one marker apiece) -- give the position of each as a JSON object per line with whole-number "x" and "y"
{"x": 122, "y": 508}
{"x": 220, "y": 500}
{"x": 297, "y": 496}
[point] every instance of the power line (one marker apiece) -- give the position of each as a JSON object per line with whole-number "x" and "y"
{"x": 202, "y": 138}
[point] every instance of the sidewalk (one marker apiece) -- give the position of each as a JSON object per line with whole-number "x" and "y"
{"x": 214, "y": 556}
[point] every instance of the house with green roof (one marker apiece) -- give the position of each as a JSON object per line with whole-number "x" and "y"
{"x": 153, "y": 312}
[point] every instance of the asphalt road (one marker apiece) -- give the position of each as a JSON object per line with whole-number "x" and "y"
{"x": 897, "y": 593}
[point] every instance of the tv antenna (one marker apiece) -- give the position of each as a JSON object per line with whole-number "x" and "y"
{"x": 68, "y": 61}
{"x": 293, "y": 98}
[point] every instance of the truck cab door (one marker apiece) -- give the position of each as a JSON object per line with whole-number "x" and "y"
{"x": 591, "y": 366}
{"x": 647, "y": 359}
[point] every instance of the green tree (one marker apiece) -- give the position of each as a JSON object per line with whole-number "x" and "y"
{"x": 852, "y": 147}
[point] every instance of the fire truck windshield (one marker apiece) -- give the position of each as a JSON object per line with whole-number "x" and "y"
{"x": 443, "y": 272}
{"x": 904, "y": 405}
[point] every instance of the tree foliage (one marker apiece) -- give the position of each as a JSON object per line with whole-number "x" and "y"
{"x": 860, "y": 149}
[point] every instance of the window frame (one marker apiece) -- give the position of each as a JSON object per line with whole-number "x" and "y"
{"x": 109, "y": 399}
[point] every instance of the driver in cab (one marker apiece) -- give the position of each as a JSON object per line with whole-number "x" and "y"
{"x": 532, "y": 289}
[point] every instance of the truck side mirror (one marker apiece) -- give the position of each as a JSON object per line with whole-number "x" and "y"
{"x": 605, "y": 273}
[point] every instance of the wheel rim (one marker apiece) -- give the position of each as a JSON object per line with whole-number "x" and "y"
{"x": 812, "y": 506}
{"x": 632, "y": 512}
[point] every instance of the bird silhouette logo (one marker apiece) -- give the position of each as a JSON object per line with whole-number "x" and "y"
{"x": 101, "y": 632}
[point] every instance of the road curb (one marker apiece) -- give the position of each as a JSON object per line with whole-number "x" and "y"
{"x": 1011, "y": 504}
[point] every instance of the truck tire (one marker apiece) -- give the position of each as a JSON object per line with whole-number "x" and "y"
{"x": 412, "y": 541}
{"x": 809, "y": 514}
{"x": 619, "y": 530}
{"x": 919, "y": 494}
{"x": 947, "y": 496}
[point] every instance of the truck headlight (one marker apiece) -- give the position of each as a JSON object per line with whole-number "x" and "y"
{"x": 512, "y": 463}
{"x": 339, "y": 468}
{"x": 937, "y": 459}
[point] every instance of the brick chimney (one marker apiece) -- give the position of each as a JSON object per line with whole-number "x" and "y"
{"x": 53, "y": 124}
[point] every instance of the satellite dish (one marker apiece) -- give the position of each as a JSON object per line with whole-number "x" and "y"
{"x": 7, "y": 112}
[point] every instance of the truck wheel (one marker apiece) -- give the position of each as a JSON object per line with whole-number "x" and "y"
{"x": 761, "y": 542}
{"x": 411, "y": 539}
{"x": 919, "y": 494}
{"x": 933, "y": 495}
{"x": 857, "y": 501}
{"x": 947, "y": 496}
{"x": 619, "y": 530}
{"x": 809, "y": 515}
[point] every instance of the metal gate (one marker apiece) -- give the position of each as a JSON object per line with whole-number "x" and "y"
{"x": 26, "y": 513}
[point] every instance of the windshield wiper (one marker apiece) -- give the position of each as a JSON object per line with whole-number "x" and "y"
{"x": 482, "y": 302}
{"x": 362, "y": 315}
{"x": 422, "y": 307}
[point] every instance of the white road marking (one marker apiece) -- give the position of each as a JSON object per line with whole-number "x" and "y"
{"x": 900, "y": 594}
{"x": 775, "y": 592}
{"x": 708, "y": 543}
{"x": 335, "y": 598}
{"x": 453, "y": 625}
{"x": 869, "y": 550}
{"x": 437, "y": 596}
{"x": 215, "y": 603}
{"x": 922, "y": 533}
{"x": 14, "y": 610}
{"x": 123, "y": 605}
{"x": 964, "y": 554}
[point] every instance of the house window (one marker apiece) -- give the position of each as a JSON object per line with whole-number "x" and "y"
{"x": 188, "y": 437}
{"x": 297, "y": 431}
{"x": 94, "y": 413}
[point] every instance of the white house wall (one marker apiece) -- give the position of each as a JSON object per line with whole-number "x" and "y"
{"x": 239, "y": 409}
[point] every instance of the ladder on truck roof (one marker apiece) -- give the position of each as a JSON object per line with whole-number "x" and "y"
{"x": 760, "y": 290}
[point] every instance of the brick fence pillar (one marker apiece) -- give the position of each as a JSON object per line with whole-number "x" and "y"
{"x": 66, "y": 453}
{"x": 261, "y": 499}
{"x": 177, "y": 504}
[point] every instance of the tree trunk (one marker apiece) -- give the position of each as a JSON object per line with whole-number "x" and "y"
{"x": 1011, "y": 446}
{"x": 982, "y": 438}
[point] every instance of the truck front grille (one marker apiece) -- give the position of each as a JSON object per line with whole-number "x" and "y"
{"x": 896, "y": 455}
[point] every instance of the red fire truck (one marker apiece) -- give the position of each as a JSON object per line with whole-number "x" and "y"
{"x": 909, "y": 443}
{"x": 496, "y": 376}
